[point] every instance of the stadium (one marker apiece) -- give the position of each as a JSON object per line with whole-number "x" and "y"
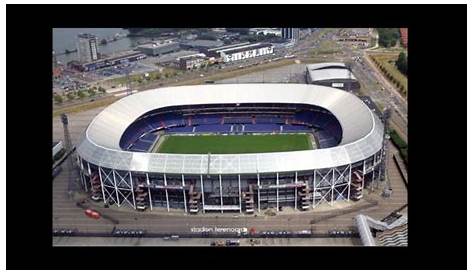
{"x": 231, "y": 148}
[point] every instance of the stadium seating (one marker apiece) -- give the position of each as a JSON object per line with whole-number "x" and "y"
{"x": 262, "y": 128}
{"x": 213, "y": 128}
{"x": 295, "y": 128}
{"x": 212, "y": 120}
{"x": 180, "y": 130}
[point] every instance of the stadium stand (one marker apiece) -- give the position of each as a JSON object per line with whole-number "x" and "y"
{"x": 220, "y": 119}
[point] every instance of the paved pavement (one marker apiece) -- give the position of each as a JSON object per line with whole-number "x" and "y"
{"x": 110, "y": 241}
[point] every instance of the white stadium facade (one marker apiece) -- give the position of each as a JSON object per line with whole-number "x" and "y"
{"x": 117, "y": 167}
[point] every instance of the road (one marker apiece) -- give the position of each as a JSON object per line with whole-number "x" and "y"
{"x": 109, "y": 241}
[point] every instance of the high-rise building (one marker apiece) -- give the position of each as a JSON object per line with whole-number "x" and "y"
{"x": 87, "y": 47}
{"x": 290, "y": 33}
{"x": 55, "y": 61}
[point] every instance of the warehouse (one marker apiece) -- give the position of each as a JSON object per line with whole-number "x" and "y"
{"x": 241, "y": 51}
{"x": 155, "y": 49}
{"x": 336, "y": 75}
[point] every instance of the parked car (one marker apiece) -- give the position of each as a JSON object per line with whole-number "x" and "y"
{"x": 232, "y": 243}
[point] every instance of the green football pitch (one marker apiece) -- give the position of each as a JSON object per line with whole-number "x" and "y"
{"x": 230, "y": 144}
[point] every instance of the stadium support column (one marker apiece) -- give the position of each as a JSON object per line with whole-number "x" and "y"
{"x": 100, "y": 178}
{"x": 314, "y": 188}
{"x": 149, "y": 192}
{"x": 332, "y": 187}
{"x": 202, "y": 193}
{"x": 220, "y": 192}
{"x": 363, "y": 175}
{"x": 373, "y": 171}
{"x": 296, "y": 190}
{"x": 380, "y": 163}
{"x": 184, "y": 193}
{"x": 278, "y": 192}
{"x": 240, "y": 196}
{"x": 116, "y": 189}
{"x": 258, "y": 190}
{"x": 131, "y": 188}
{"x": 82, "y": 173}
{"x": 166, "y": 193}
{"x": 349, "y": 184}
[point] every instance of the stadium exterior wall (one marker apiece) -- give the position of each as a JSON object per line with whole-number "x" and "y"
{"x": 326, "y": 186}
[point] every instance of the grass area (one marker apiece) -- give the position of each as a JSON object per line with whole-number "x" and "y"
{"x": 221, "y": 144}
{"x": 386, "y": 63}
{"x": 137, "y": 79}
{"x": 86, "y": 106}
{"x": 400, "y": 144}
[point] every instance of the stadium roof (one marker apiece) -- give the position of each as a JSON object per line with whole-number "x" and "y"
{"x": 329, "y": 71}
{"x": 362, "y": 130}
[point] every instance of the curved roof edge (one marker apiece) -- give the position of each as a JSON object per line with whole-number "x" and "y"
{"x": 362, "y": 132}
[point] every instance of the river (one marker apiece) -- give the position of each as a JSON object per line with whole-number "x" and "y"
{"x": 65, "y": 38}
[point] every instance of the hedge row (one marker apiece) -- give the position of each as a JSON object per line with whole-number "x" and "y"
{"x": 390, "y": 77}
{"x": 400, "y": 144}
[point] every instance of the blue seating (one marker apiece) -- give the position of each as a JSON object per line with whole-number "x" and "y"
{"x": 237, "y": 120}
{"x": 295, "y": 128}
{"x": 213, "y": 128}
{"x": 149, "y": 137}
{"x": 262, "y": 128}
{"x": 185, "y": 129}
{"x": 305, "y": 120}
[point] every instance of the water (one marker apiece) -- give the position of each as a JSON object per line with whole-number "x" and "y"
{"x": 65, "y": 38}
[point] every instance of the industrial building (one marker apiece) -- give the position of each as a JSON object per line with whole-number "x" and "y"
{"x": 404, "y": 37}
{"x": 125, "y": 57}
{"x": 336, "y": 75}
{"x": 192, "y": 62}
{"x": 117, "y": 167}
{"x": 240, "y": 51}
{"x": 201, "y": 45}
{"x": 265, "y": 31}
{"x": 158, "y": 48}
{"x": 87, "y": 47}
{"x": 290, "y": 33}
{"x": 355, "y": 36}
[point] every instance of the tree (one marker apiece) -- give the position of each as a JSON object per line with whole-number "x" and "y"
{"x": 70, "y": 96}
{"x": 402, "y": 63}
{"x": 101, "y": 89}
{"x": 58, "y": 99}
{"x": 81, "y": 94}
{"x": 388, "y": 37}
{"x": 91, "y": 92}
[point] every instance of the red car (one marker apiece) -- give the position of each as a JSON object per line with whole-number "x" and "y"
{"x": 92, "y": 214}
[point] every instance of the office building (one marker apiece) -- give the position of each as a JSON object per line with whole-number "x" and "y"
{"x": 87, "y": 47}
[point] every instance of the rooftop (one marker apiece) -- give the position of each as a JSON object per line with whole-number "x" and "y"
{"x": 203, "y": 43}
{"x": 362, "y": 130}
{"x": 328, "y": 71}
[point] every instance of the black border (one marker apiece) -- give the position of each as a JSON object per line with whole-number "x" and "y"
{"x": 437, "y": 49}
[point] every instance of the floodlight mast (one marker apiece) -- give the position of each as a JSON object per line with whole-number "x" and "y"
{"x": 72, "y": 183}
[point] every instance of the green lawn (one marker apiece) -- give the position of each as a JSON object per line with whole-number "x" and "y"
{"x": 218, "y": 144}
